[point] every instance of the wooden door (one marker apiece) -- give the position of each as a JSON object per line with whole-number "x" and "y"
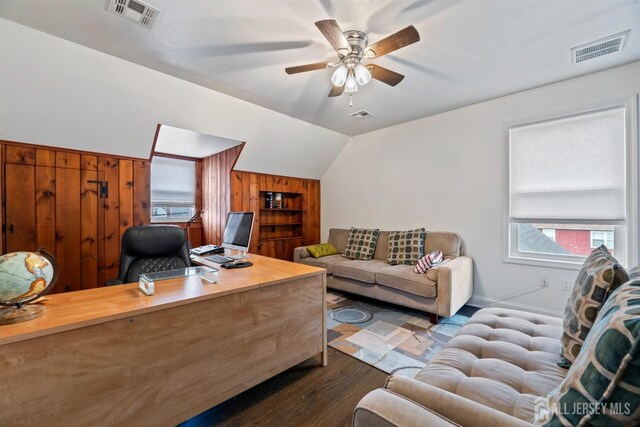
{"x": 20, "y": 207}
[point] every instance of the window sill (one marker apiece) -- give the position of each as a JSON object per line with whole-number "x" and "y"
{"x": 548, "y": 263}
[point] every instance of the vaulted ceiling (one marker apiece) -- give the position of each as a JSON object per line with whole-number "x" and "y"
{"x": 470, "y": 50}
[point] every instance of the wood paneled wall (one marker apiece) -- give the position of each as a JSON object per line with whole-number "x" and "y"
{"x": 49, "y": 202}
{"x": 245, "y": 196}
{"x": 216, "y": 200}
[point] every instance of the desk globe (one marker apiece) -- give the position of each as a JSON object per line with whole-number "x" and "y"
{"x": 25, "y": 277}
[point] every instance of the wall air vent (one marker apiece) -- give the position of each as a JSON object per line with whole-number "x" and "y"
{"x": 362, "y": 114}
{"x": 134, "y": 10}
{"x": 605, "y": 46}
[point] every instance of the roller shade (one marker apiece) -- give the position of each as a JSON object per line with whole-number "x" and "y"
{"x": 173, "y": 182}
{"x": 569, "y": 169}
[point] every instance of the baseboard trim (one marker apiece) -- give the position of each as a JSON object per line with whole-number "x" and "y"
{"x": 490, "y": 302}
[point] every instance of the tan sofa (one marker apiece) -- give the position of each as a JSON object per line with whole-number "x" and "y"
{"x": 441, "y": 291}
{"x": 489, "y": 374}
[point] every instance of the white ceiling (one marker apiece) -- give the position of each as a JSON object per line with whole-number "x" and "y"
{"x": 470, "y": 50}
{"x": 184, "y": 142}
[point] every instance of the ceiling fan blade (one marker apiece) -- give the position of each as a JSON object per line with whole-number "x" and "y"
{"x": 330, "y": 29}
{"x": 384, "y": 75}
{"x": 395, "y": 41}
{"x": 336, "y": 91}
{"x": 308, "y": 67}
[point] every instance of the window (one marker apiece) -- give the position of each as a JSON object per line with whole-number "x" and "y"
{"x": 550, "y": 233}
{"x": 173, "y": 189}
{"x": 601, "y": 238}
{"x": 568, "y": 187}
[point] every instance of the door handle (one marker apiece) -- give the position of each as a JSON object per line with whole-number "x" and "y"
{"x": 6, "y": 228}
{"x": 103, "y": 187}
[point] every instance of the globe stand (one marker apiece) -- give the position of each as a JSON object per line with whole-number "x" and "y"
{"x": 20, "y": 313}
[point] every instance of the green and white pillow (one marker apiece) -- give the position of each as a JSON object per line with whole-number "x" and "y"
{"x": 406, "y": 247}
{"x": 602, "y": 388}
{"x": 361, "y": 243}
{"x": 600, "y": 275}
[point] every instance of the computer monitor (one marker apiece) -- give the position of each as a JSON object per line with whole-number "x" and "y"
{"x": 237, "y": 232}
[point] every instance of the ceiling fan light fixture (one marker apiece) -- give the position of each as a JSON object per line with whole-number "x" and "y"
{"x": 339, "y": 76}
{"x": 351, "y": 84}
{"x": 363, "y": 76}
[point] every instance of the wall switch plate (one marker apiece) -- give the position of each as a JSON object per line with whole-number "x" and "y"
{"x": 566, "y": 285}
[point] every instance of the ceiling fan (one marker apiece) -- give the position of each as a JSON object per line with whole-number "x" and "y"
{"x": 352, "y": 47}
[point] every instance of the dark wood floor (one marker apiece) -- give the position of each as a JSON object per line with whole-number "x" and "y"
{"x": 305, "y": 395}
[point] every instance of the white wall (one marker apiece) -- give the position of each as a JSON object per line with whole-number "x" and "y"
{"x": 447, "y": 172}
{"x": 55, "y": 92}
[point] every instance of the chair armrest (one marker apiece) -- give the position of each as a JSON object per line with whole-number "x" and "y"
{"x": 113, "y": 282}
{"x": 382, "y": 408}
{"x": 455, "y": 285}
{"x": 456, "y": 408}
{"x": 299, "y": 253}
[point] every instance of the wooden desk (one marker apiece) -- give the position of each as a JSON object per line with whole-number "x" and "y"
{"x": 112, "y": 355}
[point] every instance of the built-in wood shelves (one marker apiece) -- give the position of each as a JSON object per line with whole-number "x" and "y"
{"x": 280, "y": 223}
{"x": 278, "y": 230}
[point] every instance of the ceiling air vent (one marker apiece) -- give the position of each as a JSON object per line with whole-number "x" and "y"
{"x": 605, "y": 46}
{"x": 134, "y": 10}
{"x": 362, "y": 114}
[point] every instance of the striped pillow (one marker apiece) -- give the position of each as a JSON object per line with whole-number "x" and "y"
{"x": 428, "y": 261}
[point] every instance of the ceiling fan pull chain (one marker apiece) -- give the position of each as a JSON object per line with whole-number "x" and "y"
{"x": 351, "y": 100}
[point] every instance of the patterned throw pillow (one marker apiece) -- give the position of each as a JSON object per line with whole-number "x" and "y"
{"x": 361, "y": 243}
{"x": 406, "y": 247}
{"x": 323, "y": 249}
{"x": 602, "y": 388}
{"x": 600, "y": 274}
{"x": 428, "y": 261}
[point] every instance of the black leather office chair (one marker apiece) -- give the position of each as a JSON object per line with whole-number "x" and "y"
{"x": 151, "y": 248}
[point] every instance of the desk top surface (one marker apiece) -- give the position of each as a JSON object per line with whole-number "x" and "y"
{"x": 73, "y": 310}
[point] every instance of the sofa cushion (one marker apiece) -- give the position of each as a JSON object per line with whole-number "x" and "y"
{"x": 382, "y": 247}
{"x": 338, "y": 237}
{"x": 326, "y": 262}
{"x": 403, "y": 278}
{"x": 364, "y": 271}
{"x": 606, "y": 373}
{"x": 362, "y": 243}
{"x": 501, "y": 358}
{"x": 600, "y": 274}
{"x": 321, "y": 250}
{"x": 406, "y": 247}
{"x": 428, "y": 261}
{"x": 449, "y": 243}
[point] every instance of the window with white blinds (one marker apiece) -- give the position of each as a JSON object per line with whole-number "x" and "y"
{"x": 173, "y": 189}
{"x": 568, "y": 175}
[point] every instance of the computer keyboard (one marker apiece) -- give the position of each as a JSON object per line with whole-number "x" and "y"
{"x": 219, "y": 259}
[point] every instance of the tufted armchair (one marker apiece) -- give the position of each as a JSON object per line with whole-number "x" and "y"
{"x": 151, "y": 248}
{"x": 490, "y": 374}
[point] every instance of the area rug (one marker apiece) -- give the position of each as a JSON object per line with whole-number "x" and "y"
{"x": 395, "y": 339}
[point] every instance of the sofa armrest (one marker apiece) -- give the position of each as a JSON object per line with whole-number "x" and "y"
{"x": 382, "y": 408}
{"x": 455, "y": 285}
{"x": 458, "y": 409}
{"x": 299, "y": 253}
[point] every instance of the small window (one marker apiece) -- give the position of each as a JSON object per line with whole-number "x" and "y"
{"x": 568, "y": 188}
{"x": 550, "y": 233}
{"x": 601, "y": 237}
{"x": 173, "y": 189}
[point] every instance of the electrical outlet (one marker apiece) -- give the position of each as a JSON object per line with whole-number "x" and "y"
{"x": 566, "y": 285}
{"x": 543, "y": 281}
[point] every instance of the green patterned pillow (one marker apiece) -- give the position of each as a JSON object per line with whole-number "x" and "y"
{"x": 600, "y": 274}
{"x": 323, "y": 249}
{"x": 602, "y": 388}
{"x": 406, "y": 247}
{"x": 361, "y": 243}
